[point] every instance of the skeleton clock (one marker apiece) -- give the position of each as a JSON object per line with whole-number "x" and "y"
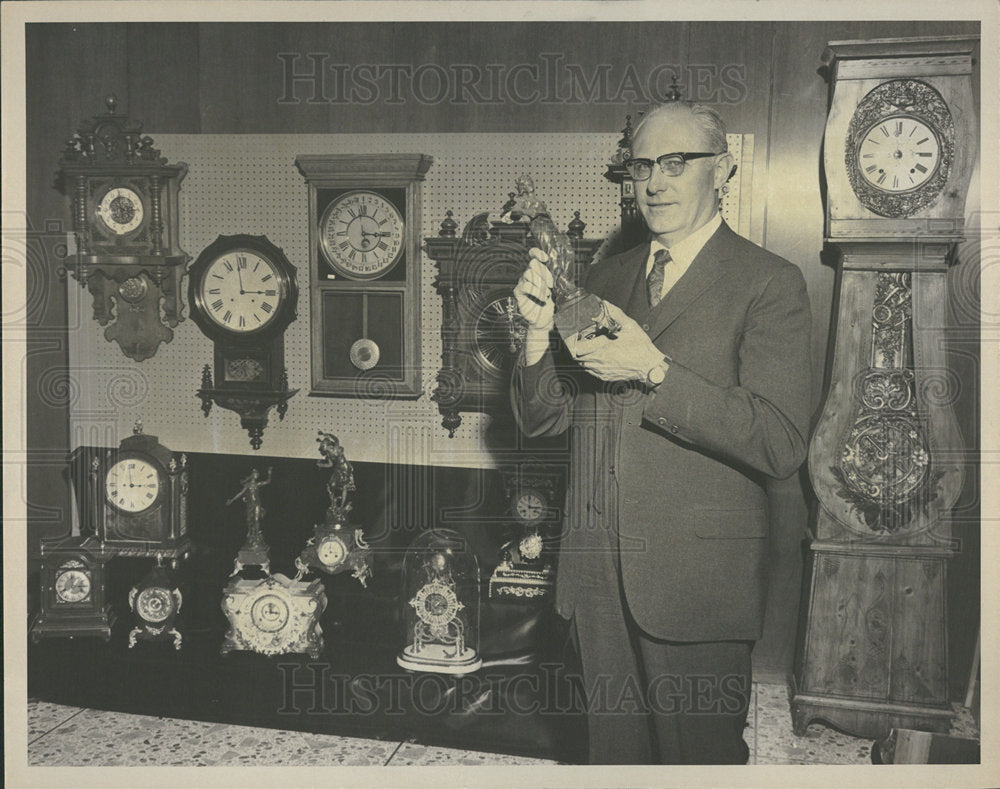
{"x": 243, "y": 297}
{"x": 900, "y": 146}
{"x": 124, "y": 199}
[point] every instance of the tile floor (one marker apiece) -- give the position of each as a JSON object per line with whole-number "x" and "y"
{"x": 69, "y": 736}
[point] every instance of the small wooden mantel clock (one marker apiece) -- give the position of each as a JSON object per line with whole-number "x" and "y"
{"x": 124, "y": 199}
{"x": 899, "y": 149}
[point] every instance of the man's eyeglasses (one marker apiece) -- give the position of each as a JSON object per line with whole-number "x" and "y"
{"x": 670, "y": 164}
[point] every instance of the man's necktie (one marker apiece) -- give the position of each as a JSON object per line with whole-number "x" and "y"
{"x": 654, "y": 281}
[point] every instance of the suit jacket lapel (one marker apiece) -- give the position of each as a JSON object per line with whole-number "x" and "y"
{"x": 704, "y": 270}
{"x": 622, "y": 281}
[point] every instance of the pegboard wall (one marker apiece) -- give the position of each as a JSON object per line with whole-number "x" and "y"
{"x": 250, "y": 184}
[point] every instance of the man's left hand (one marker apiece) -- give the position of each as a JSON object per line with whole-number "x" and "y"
{"x": 628, "y": 357}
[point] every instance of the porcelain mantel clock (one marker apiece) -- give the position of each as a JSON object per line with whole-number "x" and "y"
{"x": 124, "y": 199}
{"x": 900, "y": 146}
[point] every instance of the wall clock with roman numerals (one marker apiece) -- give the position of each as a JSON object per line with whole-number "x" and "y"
{"x": 243, "y": 297}
{"x": 365, "y": 272}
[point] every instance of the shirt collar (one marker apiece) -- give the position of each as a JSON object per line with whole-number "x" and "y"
{"x": 687, "y": 249}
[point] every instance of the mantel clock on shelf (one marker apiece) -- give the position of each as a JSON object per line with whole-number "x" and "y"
{"x": 884, "y": 459}
{"x": 334, "y": 547}
{"x": 364, "y": 272}
{"x": 137, "y": 498}
{"x": 155, "y": 602}
{"x": 481, "y": 328}
{"x": 74, "y": 599}
{"x": 243, "y": 297}
{"x": 440, "y": 605}
{"x": 124, "y": 199}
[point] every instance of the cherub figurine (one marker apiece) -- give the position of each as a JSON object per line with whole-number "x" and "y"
{"x": 341, "y": 481}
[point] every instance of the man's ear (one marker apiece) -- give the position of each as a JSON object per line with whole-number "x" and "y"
{"x": 725, "y": 168}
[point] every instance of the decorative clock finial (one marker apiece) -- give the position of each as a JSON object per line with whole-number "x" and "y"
{"x": 111, "y": 100}
{"x": 448, "y": 226}
{"x": 576, "y": 227}
{"x": 137, "y": 427}
{"x": 674, "y": 94}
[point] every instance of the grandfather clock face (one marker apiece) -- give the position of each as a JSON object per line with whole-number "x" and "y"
{"x": 900, "y": 147}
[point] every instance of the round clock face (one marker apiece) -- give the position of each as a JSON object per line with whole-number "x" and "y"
{"x": 72, "y": 585}
{"x": 241, "y": 291}
{"x": 530, "y": 506}
{"x": 132, "y": 484}
{"x": 121, "y": 210}
{"x": 361, "y": 235}
{"x": 269, "y": 613}
{"x": 898, "y": 154}
{"x": 154, "y": 604}
{"x": 436, "y": 604}
{"x": 331, "y": 551}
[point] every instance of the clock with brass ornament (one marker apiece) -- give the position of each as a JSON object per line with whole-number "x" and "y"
{"x": 136, "y": 502}
{"x": 365, "y": 272}
{"x": 334, "y": 546}
{"x": 155, "y": 602}
{"x": 885, "y": 456}
{"x": 124, "y": 202}
{"x": 243, "y": 297}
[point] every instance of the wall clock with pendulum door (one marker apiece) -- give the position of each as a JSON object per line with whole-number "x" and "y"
{"x": 365, "y": 273}
{"x": 899, "y": 149}
{"x": 243, "y": 297}
{"x": 124, "y": 199}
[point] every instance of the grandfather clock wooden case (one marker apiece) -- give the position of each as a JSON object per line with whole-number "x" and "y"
{"x": 886, "y": 457}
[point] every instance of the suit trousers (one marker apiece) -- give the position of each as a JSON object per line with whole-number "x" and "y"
{"x": 649, "y": 700}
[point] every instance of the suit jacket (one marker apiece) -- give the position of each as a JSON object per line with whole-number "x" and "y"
{"x": 674, "y": 479}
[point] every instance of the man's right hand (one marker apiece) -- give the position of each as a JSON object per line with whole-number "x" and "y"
{"x": 534, "y": 301}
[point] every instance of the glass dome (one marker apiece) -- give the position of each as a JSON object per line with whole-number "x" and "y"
{"x": 440, "y": 605}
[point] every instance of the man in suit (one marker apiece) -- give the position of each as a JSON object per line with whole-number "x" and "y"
{"x": 675, "y": 424}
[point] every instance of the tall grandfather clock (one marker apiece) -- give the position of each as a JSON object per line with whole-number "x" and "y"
{"x": 885, "y": 459}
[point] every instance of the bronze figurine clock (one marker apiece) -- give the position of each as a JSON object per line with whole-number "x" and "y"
{"x": 124, "y": 198}
{"x": 884, "y": 458}
{"x": 243, "y": 297}
{"x": 365, "y": 272}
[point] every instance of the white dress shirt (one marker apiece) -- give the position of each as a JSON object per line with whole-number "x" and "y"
{"x": 682, "y": 253}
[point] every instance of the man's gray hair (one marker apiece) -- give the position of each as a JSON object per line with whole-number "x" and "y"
{"x": 707, "y": 119}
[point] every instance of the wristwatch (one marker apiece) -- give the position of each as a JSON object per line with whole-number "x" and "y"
{"x": 656, "y": 373}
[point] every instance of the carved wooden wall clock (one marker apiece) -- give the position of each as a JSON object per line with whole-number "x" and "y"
{"x": 900, "y": 146}
{"x": 137, "y": 498}
{"x": 124, "y": 199}
{"x": 480, "y": 330}
{"x": 365, "y": 271}
{"x": 74, "y": 601}
{"x": 243, "y": 297}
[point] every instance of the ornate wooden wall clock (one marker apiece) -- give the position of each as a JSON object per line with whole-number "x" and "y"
{"x": 137, "y": 498}
{"x": 480, "y": 330}
{"x": 124, "y": 199}
{"x": 73, "y": 601}
{"x": 900, "y": 145}
{"x": 364, "y": 263}
{"x": 243, "y": 297}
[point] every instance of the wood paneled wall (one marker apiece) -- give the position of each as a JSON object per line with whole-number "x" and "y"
{"x": 224, "y": 78}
